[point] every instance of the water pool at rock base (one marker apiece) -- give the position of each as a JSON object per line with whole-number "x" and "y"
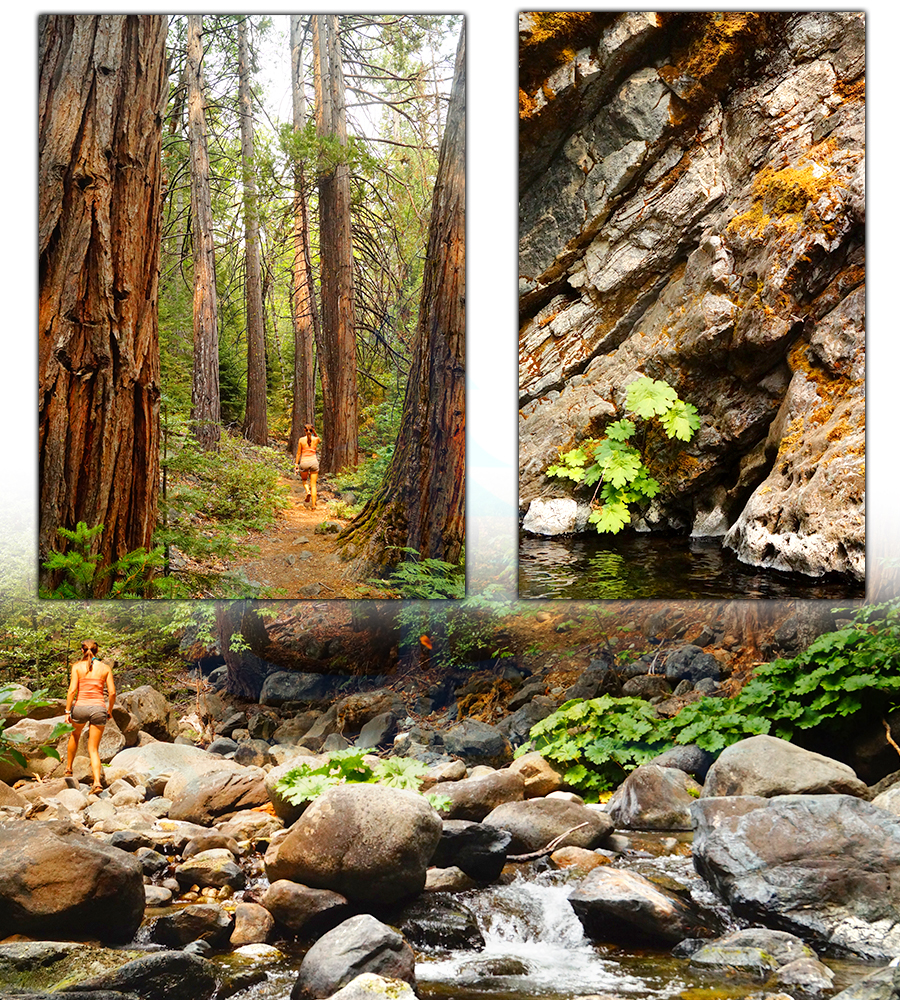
{"x": 648, "y": 567}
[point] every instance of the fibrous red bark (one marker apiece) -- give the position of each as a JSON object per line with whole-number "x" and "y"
{"x": 101, "y": 98}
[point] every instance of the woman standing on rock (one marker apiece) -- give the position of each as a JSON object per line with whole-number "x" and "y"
{"x": 89, "y": 676}
{"x": 308, "y": 464}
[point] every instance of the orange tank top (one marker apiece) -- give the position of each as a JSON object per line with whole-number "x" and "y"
{"x": 90, "y": 691}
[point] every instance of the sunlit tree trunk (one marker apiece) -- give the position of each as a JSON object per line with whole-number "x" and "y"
{"x": 101, "y": 96}
{"x": 337, "y": 353}
{"x": 304, "y": 314}
{"x": 205, "y": 404}
{"x": 422, "y": 502}
{"x": 256, "y": 428}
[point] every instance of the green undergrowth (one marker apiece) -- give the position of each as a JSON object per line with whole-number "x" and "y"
{"x": 305, "y": 783}
{"x": 842, "y": 677}
{"x": 13, "y": 746}
{"x": 213, "y": 498}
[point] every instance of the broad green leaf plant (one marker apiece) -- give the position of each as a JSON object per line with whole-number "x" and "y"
{"x": 306, "y": 782}
{"x": 14, "y": 746}
{"x": 614, "y": 465}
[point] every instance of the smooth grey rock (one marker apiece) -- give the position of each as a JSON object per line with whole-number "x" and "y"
{"x": 473, "y": 798}
{"x": 821, "y": 866}
{"x": 768, "y": 766}
{"x": 360, "y": 944}
{"x": 534, "y": 823}
{"x": 654, "y": 798}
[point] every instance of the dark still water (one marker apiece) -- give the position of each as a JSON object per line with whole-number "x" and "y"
{"x": 644, "y": 567}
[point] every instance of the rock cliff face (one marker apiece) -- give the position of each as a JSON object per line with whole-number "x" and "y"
{"x": 692, "y": 208}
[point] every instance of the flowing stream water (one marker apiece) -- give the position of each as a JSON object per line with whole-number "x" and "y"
{"x": 535, "y": 948}
{"x": 635, "y": 567}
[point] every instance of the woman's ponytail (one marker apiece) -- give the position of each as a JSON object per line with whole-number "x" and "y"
{"x": 309, "y": 434}
{"x": 90, "y": 649}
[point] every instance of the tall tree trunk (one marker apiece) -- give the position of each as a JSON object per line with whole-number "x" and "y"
{"x": 422, "y": 502}
{"x": 256, "y": 428}
{"x": 305, "y": 318}
{"x": 101, "y": 98}
{"x": 337, "y": 354}
{"x": 206, "y": 419}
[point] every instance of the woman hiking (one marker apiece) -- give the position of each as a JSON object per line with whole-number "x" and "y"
{"x": 308, "y": 464}
{"x": 87, "y": 705}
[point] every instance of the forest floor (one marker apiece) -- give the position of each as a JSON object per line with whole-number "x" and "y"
{"x": 297, "y": 557}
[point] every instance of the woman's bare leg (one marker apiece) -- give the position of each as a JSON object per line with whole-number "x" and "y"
{"x": 313, "y": 477}
{"x": 94, "y": 735}
{"x": 72, "y": 747}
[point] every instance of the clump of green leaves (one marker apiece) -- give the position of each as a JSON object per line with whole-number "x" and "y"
{"x": 306, "y": 782}
{"x": 132, "y": 575}
{"x": 12, "y": 744}
{"x": 614, "y": 465}
{"x": 842, "y": 677}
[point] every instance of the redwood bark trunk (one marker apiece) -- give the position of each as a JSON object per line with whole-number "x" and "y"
{"x": 337, "y": 353}
{"x": 304, "y": 314}
{"x": 206, "y": 419}
{"x": 256, "y": 427}
{"x": 101, "y": 98}
{"x": 422, "y": 503}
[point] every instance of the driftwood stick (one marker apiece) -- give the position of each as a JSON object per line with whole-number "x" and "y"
{"x": 890, "y": 738}
{"x": 549, "y": 849}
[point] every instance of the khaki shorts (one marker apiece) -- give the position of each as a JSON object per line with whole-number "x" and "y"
{"x": 309, "y": 463}
{"x": 96, "y": 715}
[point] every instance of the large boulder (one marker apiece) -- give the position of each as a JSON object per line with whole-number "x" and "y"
{"x": 691, "y": 663}
{"x": 57, "y": 881}
{"x": 370, "y": 843}
{"x": 540, "y": 776}
{"x": 165, "y": 975}
{"x": 478, "y": 743}
{"x": 534, "y": 823}
{"x": 151, "y": 709}
{"x": 767, "y": 766}
{"x": 303, "y": 910}
{"x": 284, "y": 808}
{"x": 475, "y": 848}
{"x": 474, "y": 798}
{"x": 214, "y": 868}
{"x": 654, "y": 798}
{"x": 283, "y": 686}
{"x": 218, "y": 793}
{"x": 825, "y": 867}
{"x": 623, "y": 907}
{"x": 368, "y": 986}
{"x": 161, "y": 761}
{"x": 358, "y": 945}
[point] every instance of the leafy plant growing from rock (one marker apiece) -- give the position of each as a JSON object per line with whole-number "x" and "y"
{"x": 12, "y": 744}
{"x": 615, "y": 465}
{"x": 304, "y": 783}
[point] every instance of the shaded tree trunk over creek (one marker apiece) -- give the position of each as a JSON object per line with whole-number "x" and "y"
{"x": 422, "y": 502}
{"x": 101, "y": 95}
{"x": 246, "y": 670}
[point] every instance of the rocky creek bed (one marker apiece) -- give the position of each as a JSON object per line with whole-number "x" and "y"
{"x": 769, "y": 871}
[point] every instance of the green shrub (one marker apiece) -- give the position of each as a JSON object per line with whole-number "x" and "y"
{"x": 12, "y": 744}
{"x": 304, "y": 783}
{"x": 841, "y": 677}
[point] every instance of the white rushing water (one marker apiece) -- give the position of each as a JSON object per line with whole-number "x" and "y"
{"x": 534, "y": 947}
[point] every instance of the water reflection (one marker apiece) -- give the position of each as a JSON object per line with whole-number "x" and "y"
{"x": 596, "y": 567}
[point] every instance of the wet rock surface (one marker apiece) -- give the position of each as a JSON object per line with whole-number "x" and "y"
{"x": 692, "y": 208}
